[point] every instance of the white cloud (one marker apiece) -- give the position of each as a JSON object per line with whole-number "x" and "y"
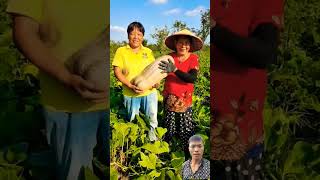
{"x": 196, "y": 11}
{"x": 118, "y": 29}
{"x": 159, "y": 1}
{"x": 172, "y": 11}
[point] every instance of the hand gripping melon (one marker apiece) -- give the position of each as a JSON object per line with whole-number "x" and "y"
{"x": 91, "y": 62}
{"x": 151, "y": 74}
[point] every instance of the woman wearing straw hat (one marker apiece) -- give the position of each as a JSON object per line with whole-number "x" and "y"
{"x": 179, "y": 85}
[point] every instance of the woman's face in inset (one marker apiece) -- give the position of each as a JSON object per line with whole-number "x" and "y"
{"x": 183, "y": 45}
{"x": 135, "y": 38}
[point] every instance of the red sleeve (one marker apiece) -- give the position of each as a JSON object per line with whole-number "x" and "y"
{"x": 194, "y": 64}
{"x": 268, "y": 11}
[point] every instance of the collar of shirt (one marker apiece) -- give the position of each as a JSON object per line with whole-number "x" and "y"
{"x": 141, "y": 49}
{"x": 201, "y": 164}
{"x": 203, "y": 171}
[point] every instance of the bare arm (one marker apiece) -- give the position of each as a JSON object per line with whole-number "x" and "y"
{"x": 27, "y": 38}
{"x": 124, "y": 80}
{"x": 121, "y": 77}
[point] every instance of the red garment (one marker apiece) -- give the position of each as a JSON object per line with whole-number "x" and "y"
{"x": 177, "y": 87}
{"x": 237, "y": 91}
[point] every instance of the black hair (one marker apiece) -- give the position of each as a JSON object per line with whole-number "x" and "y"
{"x": 133, "y": 25}
{"x": 196, "y": 138}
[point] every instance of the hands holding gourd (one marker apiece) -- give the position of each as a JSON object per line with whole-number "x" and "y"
{"x": 87, "y": 67}
{"x": 157, "y": 85}
{"x": 139, "y": 91}
{"x": 86, "y": 89}
{"x": 135, "y": 89}
{"x": 151, "y": 76}
{"x": 167, "y": 66}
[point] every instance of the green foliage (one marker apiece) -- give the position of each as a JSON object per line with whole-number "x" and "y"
{"x": 159, "y": 36}
{"x": 132, "y": 153}
{"x": 10, "y": 58}
{"x": 303, "y": 162}
{"x": 11, "y": 161}
{"x": 87, "y": 174}
{"x": 148, "y": 162}
{"x": 204, "y": 31}
{"x": 161, "y": 33}
{"x": 292, "y": 107}
{"x": 178, "y": 26}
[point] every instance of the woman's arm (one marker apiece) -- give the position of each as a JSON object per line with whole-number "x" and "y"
{"x": 123, "y": 80}
{"x": 27, "y": 38}
{"x": 257, "y": 50}
{"x": 168, "y": 67}
{"x": 189, "y": 77}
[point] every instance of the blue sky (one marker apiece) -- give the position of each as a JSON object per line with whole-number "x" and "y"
{"x": 153, "y": 14}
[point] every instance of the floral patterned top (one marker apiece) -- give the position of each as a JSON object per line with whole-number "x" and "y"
{"x": 178, "y": 93}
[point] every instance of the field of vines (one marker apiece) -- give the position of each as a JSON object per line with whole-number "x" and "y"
{"x": 292, "y": 113}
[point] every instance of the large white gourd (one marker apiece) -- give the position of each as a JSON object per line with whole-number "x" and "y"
{"x": 151, "y": 74}
{"x": 91, "y": 62}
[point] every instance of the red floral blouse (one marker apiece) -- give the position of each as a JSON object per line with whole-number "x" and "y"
{"x": 177, "y": 93}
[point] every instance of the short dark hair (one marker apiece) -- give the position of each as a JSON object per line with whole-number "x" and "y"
{"x": 133, "y": 25}
{"x": 196, "y": 138}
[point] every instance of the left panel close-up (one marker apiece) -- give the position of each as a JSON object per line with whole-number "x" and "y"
{"x": 54, "y": 89}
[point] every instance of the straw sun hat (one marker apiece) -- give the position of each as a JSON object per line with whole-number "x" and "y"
{"x": 195, "y": 44}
